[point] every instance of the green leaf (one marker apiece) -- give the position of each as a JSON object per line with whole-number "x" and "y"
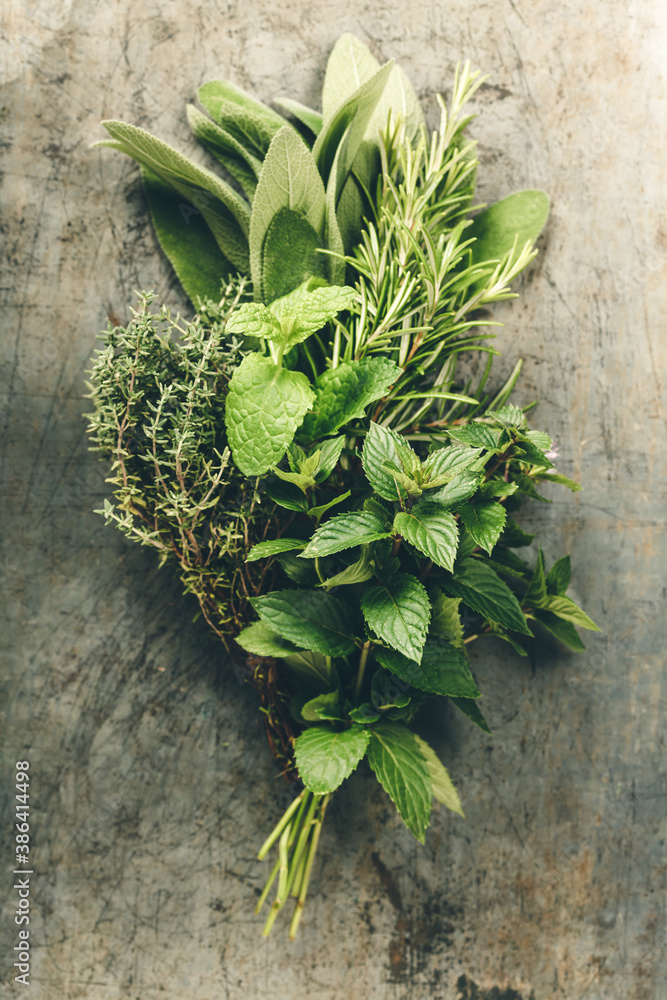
{"x": 187, "y": 241}
{"x": 446, "y": 620}
{"x": 353, "y": 114}
{"x": 510, "y": 416}
{"x": 275, "y": 545}
{"x": 326, "y": 758}
{"x": 399, "y": 611}
{"x": 307, "y": 116}
{"x": 342, "y": 394}
{"x": 445, "y": 464}
{"x": 400, "y": 767}
{"x": 471, "y": 710}
{"x": 497, "y": 488}
{"x": 234, "y": 157}
{"x": 555, "y": 477}
{"x": 354, "y": 202}
{"x": 265, "y": 405}
{"x": 386, "y": 694}
{"x": 290, "y": 254}
{"x": 566, "y": 609}
{"x": 287, "y": 495}
{"x": 480, "y": 436}
{"x": 300, "y": 572}
{"x": 323, "y": 707}
{"x": 225, "y": 212}
{"x": 443, "y": 786}
{"x": 558, "y": 577}
{"x": 312, "y": 671}
{"x": 456, "y": 492}
{"x": 317, "y": 512}
{"x": 252, "y": 319}
{"x": 540, "y": 438}
{"x": 379, "y": 449}
{"x": 536, "y": 595}
{"x": 261, "y": 640}
{"x": 520, "y": 216}
{"x": 507, "y": 562}
{"x": 443, "y": 669}
{"x": 304, "y": 312}
{"x": 252, "y": 123}
{"x": 515, "y": 537}
{"x": 334, "y": 237}
{"x": 309, "y": 618}
{"x": 291, "y": 185}
{"x": 482, "y": 590}
{"x": 431, "y": 529}
{"x": 364, "y": 714}
{"x": 330, "y": 451}
{"x": 344, "y": 532}
{"x": 563, "y": 630}
{"x": 484, "y": 521}
{"x": 358, "y": 572}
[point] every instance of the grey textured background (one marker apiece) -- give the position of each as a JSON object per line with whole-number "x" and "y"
{"x": 152, "y": 786}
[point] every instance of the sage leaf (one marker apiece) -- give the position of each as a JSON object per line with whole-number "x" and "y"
{"x": 311, "y": 619}
{"x": 398, "y": 611}
{"x": 536, "y": 595}
{"x": 234, "y": 157}
{"x": 252, "y": 123}
{"x": 484, "y": 522}
{"x": 520, "y": 217}
{"x": 400, "y": 767}
{"x": 325, "y": 758}
{"x": 444, "y": 790}
{"x": 307, "y": 116}
{"x": 431, "y": 529}
{"x": 342, "y": 394}
{"x": 344, "y": 532}
{"x": 482, "y": 590}
{"x": 443, "y": 669}
{"x": 265, "y": 405}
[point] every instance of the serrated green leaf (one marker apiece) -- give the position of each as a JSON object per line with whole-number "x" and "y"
{"x": 514, "y": 537}
{"x": 330, "y": 451}
{"x": 325, "y": 758}
{"x": 526, "y": 451}
{"x": 484, "y": 521}
{"x": 357, "y": 572}
{"x": 344, "y": 532}
{"x": 225, "y": 212}
{"x": 446, "y": 620}
{"x": 186, "y": 239}
{"x": 555, "y": 477}
{"x": 380, "y": 448}
{"x": 253, "y": 319}
{"x": 323, "y": 707}
{"x": 493, "y": 439}
{"x": 400, "y": 767}
{"x": 444, "y": 790}
{"x": 313, "y": 671}
{"x": 520, "y": 216}
{"x": 497, "y": 488}
{"x": 471, "y": 710}
{"x": 444, "y": 464}
{"x": 265, "y": 405}
{"x": 507, "y": 562}
{"x": 364, "y": 714}
{"x": 431, "y": 529}
{"x": 307, "y": 116}
{"x": 443, "y": 669}
{"x": 527, "y": 487}
{"x": 287, "y": 495}
{"x": 536, "y": 595}
{"x": 461, "y": 488}
{"x": 352, "y": 116}
{"x": 261, "y": 640}
{"x": 482, "y": 590}
{"x": 562, "y": 630}
{"x": 317, "y": 512}
{"x": 510, "y": 416}
{"x": 398, "y": 611}
{"x": 289, "y": 183}
{"x": 234, "y": 157}
{"x": 298, "y": 479}
{"x": 271, "y": 548}
{"x": 566, "y": 609}
{"x": 300, "y": 572}
{"x": 311, "y": 619}
{"x": 308, "y": 311}
{"x": 386, "y": 694}
{"x": 343, "y": 393}
{"x": 558, "y": 577}
{"x": 252, "y": 123}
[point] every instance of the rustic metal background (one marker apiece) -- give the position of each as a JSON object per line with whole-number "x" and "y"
{"x": 152, "y": 785}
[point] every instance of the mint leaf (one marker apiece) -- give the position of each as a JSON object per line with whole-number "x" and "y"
{"x": 555, "y": 477}
{"x": 481, "y": 436}
{"x": 313, "y": 671}
{"x": 446, "y": 620}
{"x": 265, "y": 405}
{"x": 344, "y": 532}
{"x": 330, "y": 451}
{"x": 443, "y": 669}
{"x": 515, "y": 537}
{"x": 261, "y": 640}
{"x": 379, "y": 449}
{"x": 253, "y": 319}
{"x": 400, "y": 767}
{"x": 566, "y": 609}
{"x": 458, "y": 490}
{"x": 399, "y": 611}
{"x": 271, "y": 548}
{"x": 558, "y": 577}
{"x": 317, "y": 512}
{"x": 536, "y": 595}
{"x": 342, "y": 394}
{"x": 482, "y": 590}
{"x": 309, "y": 618}
{"x": 510, "y": 416}
{"x": 306, "y": 313}
{"x": 444, "y": 464}
{"x": 323, "y": 707}
{"x": 431, "y": 529}
{"x": 562, "y": 630}
{"x": 358, "y": 572}
{"x": 326, "y": 758}
{"x": 287, "y": 495}
{"x": 471, "y": 710}
{"x": 443, "y": 786}
{"x": 497, "y": 488}
{"x": 289, "y": 183}
{"x": 484, "y": 521}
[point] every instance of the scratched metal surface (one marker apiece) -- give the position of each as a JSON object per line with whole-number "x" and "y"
{"x": 152, "y": 785}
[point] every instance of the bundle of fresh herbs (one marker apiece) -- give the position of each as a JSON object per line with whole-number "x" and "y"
{"x": 337, "y": 496}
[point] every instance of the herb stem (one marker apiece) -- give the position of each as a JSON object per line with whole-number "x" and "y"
{"x": 294, "y": 926}
{"x": 279, "y": 827}
{"x": 360, "y": 670}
